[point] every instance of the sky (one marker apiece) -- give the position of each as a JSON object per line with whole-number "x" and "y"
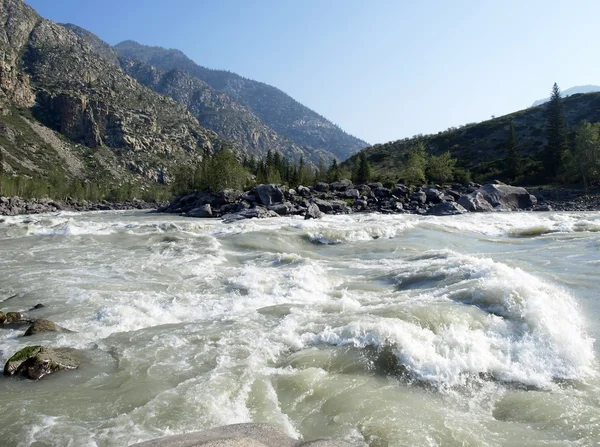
{"x": 380, "y": 69}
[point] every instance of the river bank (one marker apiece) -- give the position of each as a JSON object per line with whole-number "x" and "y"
{"x": 14, "y": 206}
{"x": 342, "y": 197}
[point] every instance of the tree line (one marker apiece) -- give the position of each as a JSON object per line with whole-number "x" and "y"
{"x": 569, "y": 157}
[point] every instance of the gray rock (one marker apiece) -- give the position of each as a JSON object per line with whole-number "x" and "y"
{"x": 313, "y": 212}
{"x": 352, "y": 193}
{"x": 382, "y": 192}
{"x": 202, "y": 211}
{"x": 269, "y": 194}
{"x": 507, "y": 197}
{"x": 446, "y": 209}
{"x": 283, "y": 209}
{"x": 324, "y": 205}
{"x": 43, "y": 325}
{"x": 400, "y": 190}
{"x": 321, "y": 187}
{"x": 419, "y": 197}
{"x": 475, "y": 202}
{"x": 303, "y": 191}
{"x": 35, "y": 362}
{"x": 340, "y": 207}
{"x": 434, "y": 195}
{"x": 342, "y": 185}
{"x": 259, "y": 212}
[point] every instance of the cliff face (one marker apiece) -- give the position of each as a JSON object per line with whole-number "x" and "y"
{"x": 55, "y": 91}
{"x": 307, "y": 129}
{"x": 232, "y": 121}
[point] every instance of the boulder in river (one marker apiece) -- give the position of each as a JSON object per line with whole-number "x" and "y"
{"x": 507, "y": 197}
{"x": 202, "y": 211}
{"x": 35, "y": 362}
{"x": 475, "y": 202}
{"x": 446, "y": 209}
{"x": 313, "y": 212}
{"x": 43, "y": 325}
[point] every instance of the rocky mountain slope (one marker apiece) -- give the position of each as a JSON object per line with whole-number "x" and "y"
{"x": 478, "y": 146}
{"x": 64, "y": 108}
{"x": 273, "y": 107}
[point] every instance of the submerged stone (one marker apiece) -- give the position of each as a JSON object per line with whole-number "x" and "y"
{"x": 43, "y": 325}
{"x": 35, "y": 362}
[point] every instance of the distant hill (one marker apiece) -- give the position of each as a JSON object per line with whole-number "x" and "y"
{"x": 479, "y": 146}
{"x": 571, "y": 91}
{"x": 316, "y": 135}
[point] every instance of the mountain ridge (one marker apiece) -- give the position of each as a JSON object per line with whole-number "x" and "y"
{"x": 275, "y": 108}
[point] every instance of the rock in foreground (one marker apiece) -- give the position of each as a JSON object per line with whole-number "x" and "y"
{"x": 35, "y": 362}
{"x": 237, "y": 435}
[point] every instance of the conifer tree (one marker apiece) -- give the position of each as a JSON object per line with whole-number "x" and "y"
{"x": 556, "y": 131}
{"x": 363, "y": 173}
{"x": 512, "y": 162}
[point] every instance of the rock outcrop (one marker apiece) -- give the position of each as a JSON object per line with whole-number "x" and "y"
{"x": 110, "y": 125}
{"x": 35, "y": 362}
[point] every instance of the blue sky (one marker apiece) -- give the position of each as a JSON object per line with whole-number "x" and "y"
{"x": 380, "y": 69}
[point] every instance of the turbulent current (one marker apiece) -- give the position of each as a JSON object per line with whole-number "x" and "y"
{"x": 472, "y": 330}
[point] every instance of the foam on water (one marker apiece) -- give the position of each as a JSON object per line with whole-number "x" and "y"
{"x": 524, "y": 330}
{"x": 190, "y": 324}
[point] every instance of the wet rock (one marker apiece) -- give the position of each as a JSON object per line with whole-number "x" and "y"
{"x": 43, "y": 325}
{"x": 283, "y": 209}
{"x": 14, "y": 317}
{"x": 400, "y": 190}
{"x": 475, "y": 202}
{"x": 259, "y": 212}
{"x": 324, "y": 205}
{"x": 35, "y": 362}
{"x": 202, "y": 211}
{"x": 446, "y": 209}
{"x": 37, "y": 306}
{"x": 313, "y": 212}
{"x": 269, "y": 194}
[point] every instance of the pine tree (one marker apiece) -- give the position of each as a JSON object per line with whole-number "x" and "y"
{"x": 333, "y": 173}
{"x": 363, "y": 173}
{"x": 512, "y": 162}
{"x": 556, "y": 130}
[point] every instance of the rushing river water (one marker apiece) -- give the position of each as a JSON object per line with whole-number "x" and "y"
{"x": 473, "y": 330}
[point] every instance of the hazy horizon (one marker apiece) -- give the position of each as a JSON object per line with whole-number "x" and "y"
{"x": 380, "y": 73}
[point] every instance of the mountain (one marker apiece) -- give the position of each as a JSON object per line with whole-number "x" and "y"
{"x": 569, "y": 92}
{"x": 480, "y": 147}
{"x": 214, "y": 110}
{"x": 63, "y": 108}
{"x": 281, "y": 113}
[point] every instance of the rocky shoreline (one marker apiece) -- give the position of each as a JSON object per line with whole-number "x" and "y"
{"x": 14, "y": 206}
{"x": 341, "y": 197}
{"x": 344, "y": 197}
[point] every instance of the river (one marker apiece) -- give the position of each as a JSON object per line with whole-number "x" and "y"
{"x": 383, "y": 330}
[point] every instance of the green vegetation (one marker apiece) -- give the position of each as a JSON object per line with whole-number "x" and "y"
{"x": 583, "y": 161}
{"x": 526, "y": 147}
{"x": 513, "y": 164}
{"x": 556, "y": 130}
